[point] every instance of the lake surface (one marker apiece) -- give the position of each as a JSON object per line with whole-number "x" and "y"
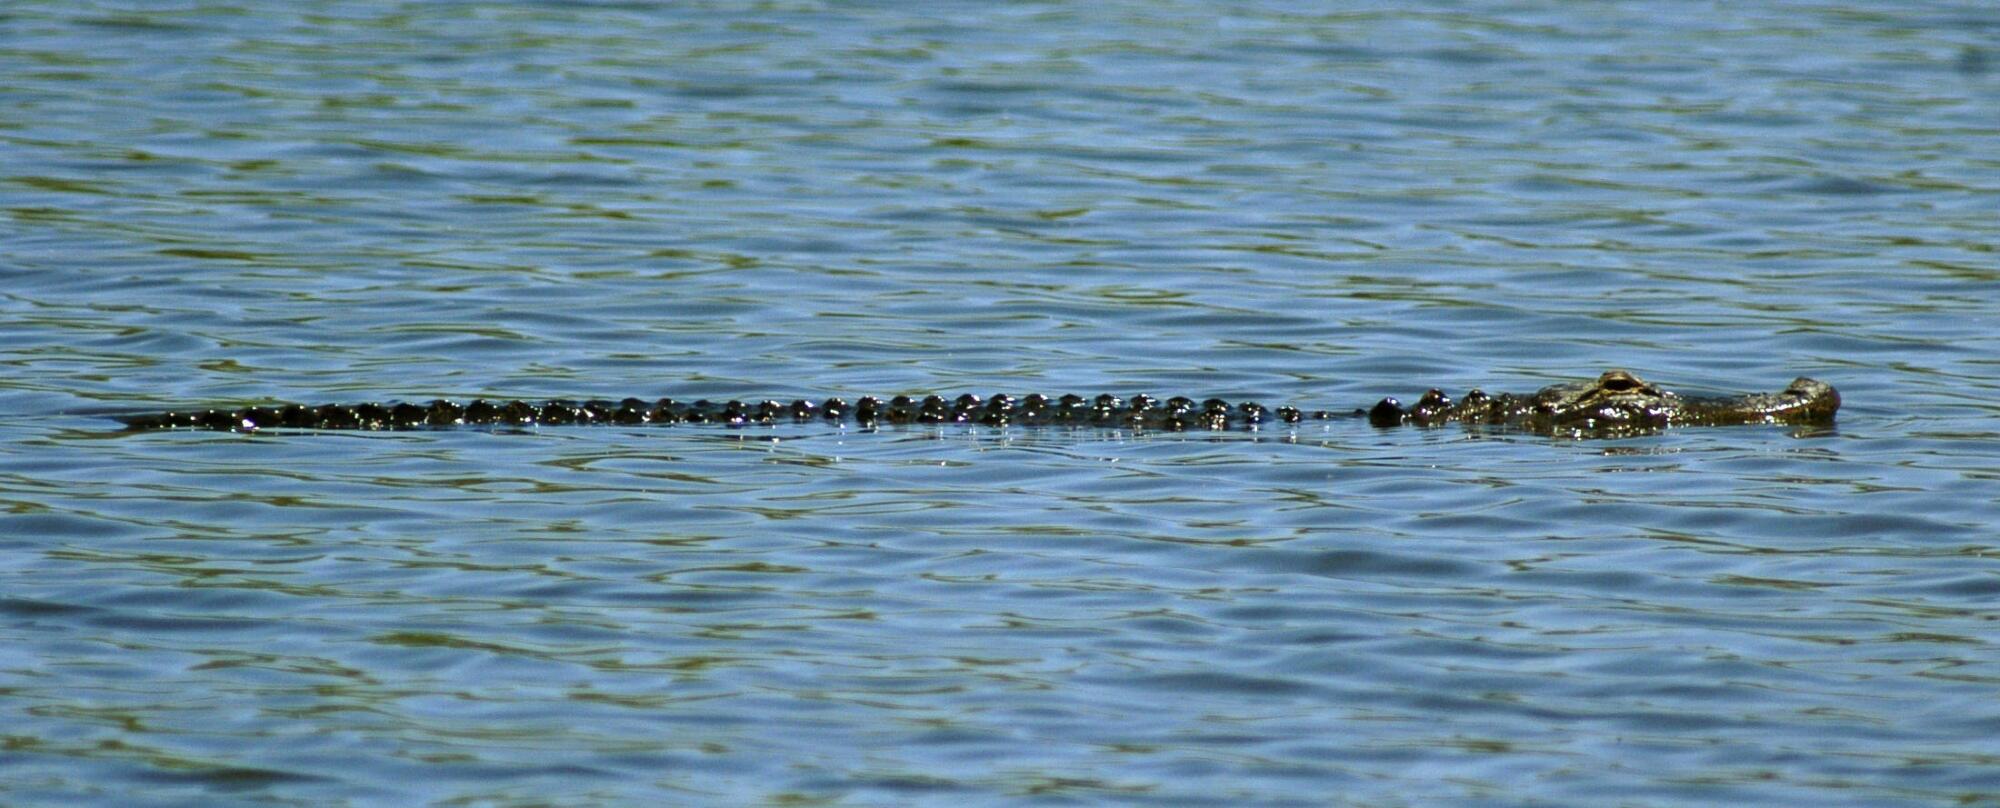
{"x": 207, "y": 204}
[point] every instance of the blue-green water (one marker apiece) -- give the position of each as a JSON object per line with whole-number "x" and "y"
{"x": 210, "y": 203}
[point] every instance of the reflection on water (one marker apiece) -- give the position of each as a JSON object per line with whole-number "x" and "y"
{"x": 211, "y": 205}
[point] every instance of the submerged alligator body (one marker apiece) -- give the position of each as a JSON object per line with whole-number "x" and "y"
{"x": 1616, "y": 404}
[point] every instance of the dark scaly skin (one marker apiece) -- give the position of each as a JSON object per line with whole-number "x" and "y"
{"x": 1141, "y": 412}
{"x": 1616, "y": 404}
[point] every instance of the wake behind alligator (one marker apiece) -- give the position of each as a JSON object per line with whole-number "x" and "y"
{"x": 1616, "y": 404}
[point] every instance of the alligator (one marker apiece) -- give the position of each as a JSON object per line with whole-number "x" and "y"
{"x": 1617, "y": 404}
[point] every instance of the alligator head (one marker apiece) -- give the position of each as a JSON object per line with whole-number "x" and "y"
{"x": 1615, "y": 404}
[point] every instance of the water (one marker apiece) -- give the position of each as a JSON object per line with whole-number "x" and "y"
{"x": 221, "y": 204}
